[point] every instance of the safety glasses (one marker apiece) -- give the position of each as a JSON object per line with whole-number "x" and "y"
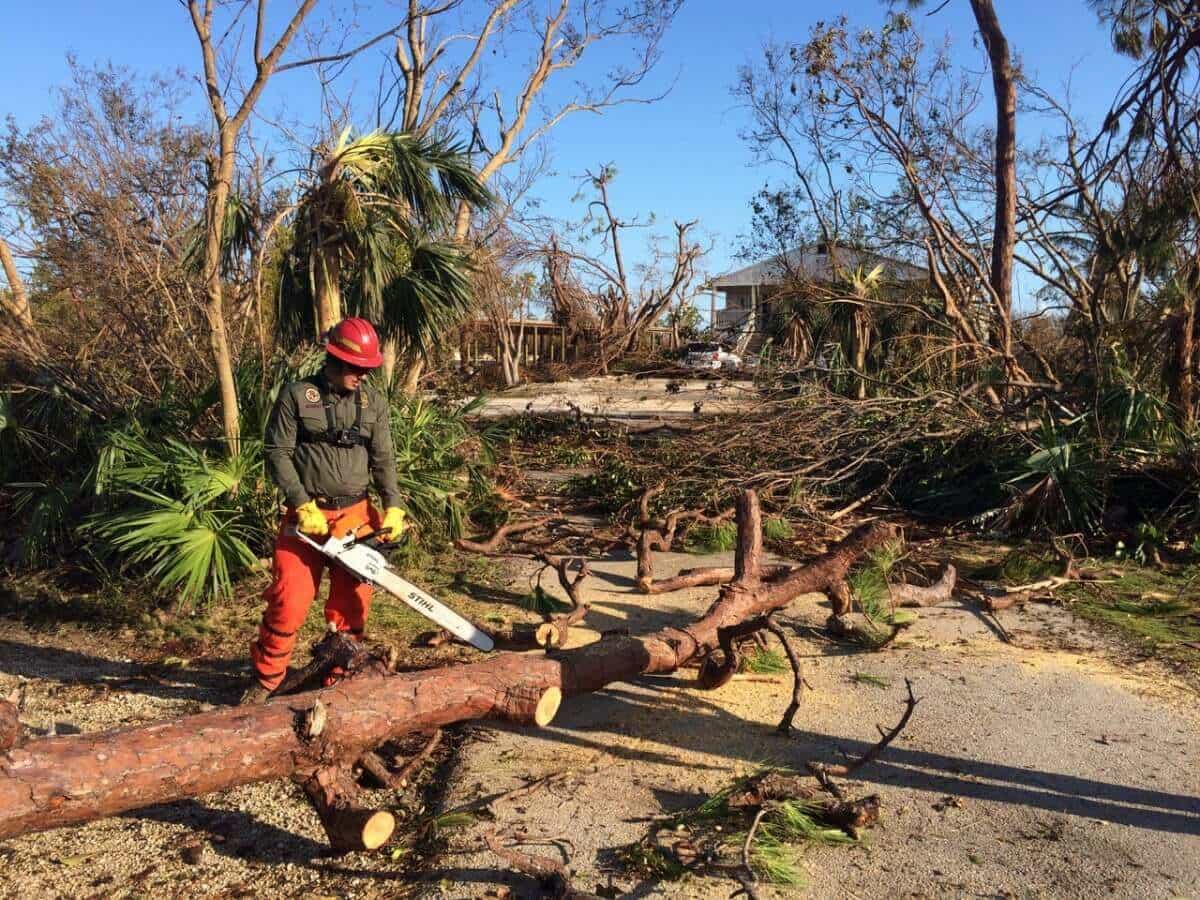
{"x": 353, "y": 370}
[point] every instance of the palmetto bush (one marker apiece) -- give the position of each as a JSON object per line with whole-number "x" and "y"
{"x": 441, "y": 465}
{"x": 144, "y": 493}
{"x": 189, "y": 521}
{"x": 1061, "y": 487}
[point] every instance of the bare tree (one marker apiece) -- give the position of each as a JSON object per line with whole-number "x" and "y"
{"x": 624, "y": 308}
{"x": 570, "y": 304}
{"x": 442, "y": 82}
{"x": 1004, "y": 233}
{"x": 875, "y": 129}
{"x": 230, "y": 115}
{"x": 505, "y": 286}
{"x": 16, "y": 302}
{"x": 1155, "y": 119}
{"x": 107, "y": 192}
{"x": 221, "y": 165}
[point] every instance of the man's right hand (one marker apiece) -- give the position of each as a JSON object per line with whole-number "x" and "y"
{"x": 310, "y": 519}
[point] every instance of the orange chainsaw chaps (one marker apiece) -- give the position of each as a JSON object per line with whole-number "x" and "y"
{"x": 297, "y": 569}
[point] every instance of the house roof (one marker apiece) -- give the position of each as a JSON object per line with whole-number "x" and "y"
{"x": 812, "y": 262}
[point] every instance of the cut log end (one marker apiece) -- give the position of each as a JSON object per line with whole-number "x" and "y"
{"x": 377, "y": 828}
{"x": 359, "y": 829}
{"x": 547, "y": 706}
{"x": 548, "y": 635}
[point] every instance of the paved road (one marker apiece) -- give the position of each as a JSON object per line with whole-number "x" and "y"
{"x": 1035, "y": 770}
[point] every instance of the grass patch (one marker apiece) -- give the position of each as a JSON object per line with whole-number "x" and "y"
{"x": 1155, "y": 612}
{"x": 866, "y": 678}
{"x": 778, "y": 529}
{"x": 764, "y": 662}
{"x": 39, "y": 603}
{"x": 718, "y": 538}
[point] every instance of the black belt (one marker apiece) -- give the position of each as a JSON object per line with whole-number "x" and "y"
{"x": 339, "y": 502}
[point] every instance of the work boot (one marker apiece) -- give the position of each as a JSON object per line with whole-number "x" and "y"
{"x": 255, "y": 694}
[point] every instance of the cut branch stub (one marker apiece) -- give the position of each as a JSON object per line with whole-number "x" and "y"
{"x": 747, "y": 563}
{"x": 347, "y": 823}
{"x": 532, "y": 704}
{"x": 912, "y": 595}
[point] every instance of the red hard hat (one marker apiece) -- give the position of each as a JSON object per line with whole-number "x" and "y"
{"x": 354, "y": 341}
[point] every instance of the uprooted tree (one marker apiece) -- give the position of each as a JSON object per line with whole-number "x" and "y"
{"x": 317, "y": 737}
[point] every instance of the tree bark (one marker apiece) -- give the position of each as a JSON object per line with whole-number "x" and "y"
{"x": 328, "y": 271}
{"x": 1180, "y": 383}
{"x": 61, "y": 781}
{"x": 18, "y": 305}
{"x": 214, "y": 305}
{"x": 10, "y": 725}
{"x": 1005, "y": 228}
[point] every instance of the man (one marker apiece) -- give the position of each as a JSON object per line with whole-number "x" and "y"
{"x": 327, "y": 438}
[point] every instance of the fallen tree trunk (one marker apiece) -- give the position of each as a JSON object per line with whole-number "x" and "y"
{"x": 912, "y": 595}
{"x": 60, "y": 781}
{"x": 704, "y": 576}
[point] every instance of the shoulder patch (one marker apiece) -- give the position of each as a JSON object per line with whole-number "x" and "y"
{"x": 312, "y": 395}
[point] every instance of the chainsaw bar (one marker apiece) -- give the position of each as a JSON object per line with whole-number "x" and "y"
{"x": 371, "y": 566}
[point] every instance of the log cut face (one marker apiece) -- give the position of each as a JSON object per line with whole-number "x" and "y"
{"x": 68, "y": 780}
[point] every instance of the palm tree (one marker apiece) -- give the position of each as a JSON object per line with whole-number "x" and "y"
{"x": 367, "y": 239}
{"x": 841, "y": 312}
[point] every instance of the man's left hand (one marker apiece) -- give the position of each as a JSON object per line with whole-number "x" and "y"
{"x": 394, "y": 524}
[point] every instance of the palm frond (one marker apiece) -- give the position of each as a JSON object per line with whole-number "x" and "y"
{"x": 433, "y": 295}
{"x": 196, "y": 551}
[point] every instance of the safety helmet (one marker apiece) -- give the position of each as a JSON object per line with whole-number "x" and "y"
{"x": 354, "y": 341}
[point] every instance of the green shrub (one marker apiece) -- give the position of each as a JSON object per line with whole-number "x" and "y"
{"x": 720, "y": 537}
{"x": 442, "y": 466}
{"x": 778, "y": 529}
{"x": 1059, "y": 489}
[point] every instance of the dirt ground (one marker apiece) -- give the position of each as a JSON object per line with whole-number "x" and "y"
{"x": 1049, "y": 767}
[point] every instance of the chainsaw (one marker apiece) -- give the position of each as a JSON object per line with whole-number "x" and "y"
{"x": 358, "y": 555}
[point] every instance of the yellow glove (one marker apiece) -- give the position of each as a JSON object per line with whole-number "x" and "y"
{"x": 393, "y": 522}
{"x": 311, "y": 520}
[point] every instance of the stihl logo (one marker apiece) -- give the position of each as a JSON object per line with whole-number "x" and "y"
{"x": 420, "y": 601}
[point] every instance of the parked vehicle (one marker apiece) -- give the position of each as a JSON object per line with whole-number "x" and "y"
{"x": 710, "y": 355}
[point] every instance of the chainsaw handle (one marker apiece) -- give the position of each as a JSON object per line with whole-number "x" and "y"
{"x": 375, "y": 538}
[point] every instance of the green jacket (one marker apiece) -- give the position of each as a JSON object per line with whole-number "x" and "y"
{"x": 306, "y": 469}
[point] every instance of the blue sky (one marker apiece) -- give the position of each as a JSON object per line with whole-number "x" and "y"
{"x": 679, "y": 158}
